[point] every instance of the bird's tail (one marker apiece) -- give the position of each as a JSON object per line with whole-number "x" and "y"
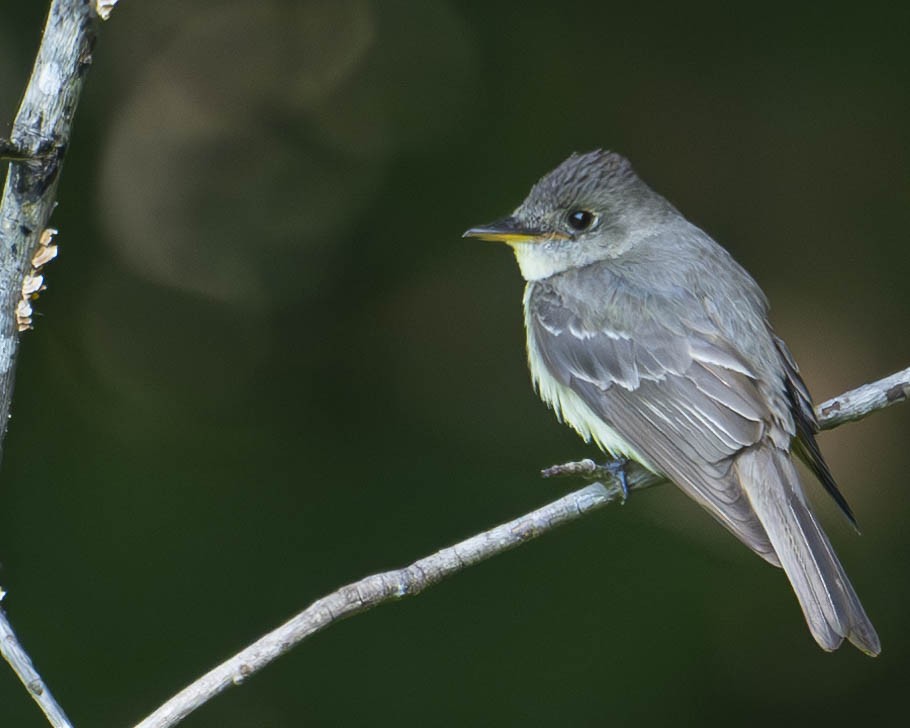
{"x": 829, "y": 603}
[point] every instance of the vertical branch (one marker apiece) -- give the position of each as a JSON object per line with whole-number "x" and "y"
{"x": 38, "y": 141}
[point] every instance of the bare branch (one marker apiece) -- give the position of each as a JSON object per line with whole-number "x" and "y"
{"x": 862, "y": 401}
{"x": 36, "y": 147}
{"x": 394, "y": 585}
{"x": 38, "y": 140}
{"x": 19, "y": 660}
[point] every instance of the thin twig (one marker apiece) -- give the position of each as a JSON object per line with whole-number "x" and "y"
{"x": 22, "y": 665}
{"x": 862, "y": 401}
{"x": 393, "y": 585}
{"x": 37, "y": 144}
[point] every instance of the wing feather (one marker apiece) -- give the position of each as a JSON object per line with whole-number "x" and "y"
{"x": 684, "y": 399}
{"x": 806, "y": 427}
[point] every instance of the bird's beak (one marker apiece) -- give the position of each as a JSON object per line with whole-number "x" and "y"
{"x": 506, "y": 230}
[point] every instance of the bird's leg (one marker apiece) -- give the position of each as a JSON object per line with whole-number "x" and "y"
{"x": 617, "y": 468}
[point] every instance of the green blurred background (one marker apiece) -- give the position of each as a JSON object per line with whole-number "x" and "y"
{"x": 268, "y": 365}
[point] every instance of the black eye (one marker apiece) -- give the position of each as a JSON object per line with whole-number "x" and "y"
{"x": 580, "y": 220}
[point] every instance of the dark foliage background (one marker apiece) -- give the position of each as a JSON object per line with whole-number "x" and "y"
{"x": 267, "y": 364}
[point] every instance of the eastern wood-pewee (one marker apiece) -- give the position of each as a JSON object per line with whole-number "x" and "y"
{"x": 648, "y": 338}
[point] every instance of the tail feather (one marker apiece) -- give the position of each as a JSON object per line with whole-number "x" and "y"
{"x": 831, "y": 607}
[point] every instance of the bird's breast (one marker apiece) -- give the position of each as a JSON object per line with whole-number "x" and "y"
{"x": 569, "y": 407}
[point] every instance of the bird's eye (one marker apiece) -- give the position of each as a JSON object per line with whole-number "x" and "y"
{"x": 580, "y": 220}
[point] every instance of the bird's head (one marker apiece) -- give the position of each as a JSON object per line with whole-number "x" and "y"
{"x": 587, "y": 209}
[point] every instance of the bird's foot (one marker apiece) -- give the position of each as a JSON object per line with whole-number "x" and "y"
{"x": 617, "y": 468}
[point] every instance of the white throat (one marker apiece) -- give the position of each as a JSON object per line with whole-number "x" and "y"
{"x": 537, "y": 262}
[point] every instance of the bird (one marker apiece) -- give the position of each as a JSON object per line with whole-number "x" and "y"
{"x": 647, "y": 337}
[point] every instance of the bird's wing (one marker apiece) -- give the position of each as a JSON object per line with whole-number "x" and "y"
{"x": 806, "y": 427}
{"x": 669, "y": 384}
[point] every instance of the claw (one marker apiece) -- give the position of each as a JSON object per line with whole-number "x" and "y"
{"x": 617, "y": 468}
